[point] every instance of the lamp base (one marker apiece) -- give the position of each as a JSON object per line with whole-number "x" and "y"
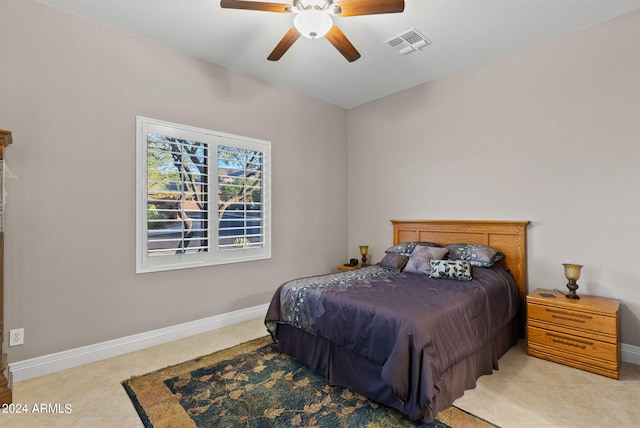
{"x": 572, "y": 286}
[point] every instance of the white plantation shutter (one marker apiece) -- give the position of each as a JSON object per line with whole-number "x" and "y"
{"x": 240, "y": 173}
{"x": 203, "y": 197}
{"x": 177, "y": 197}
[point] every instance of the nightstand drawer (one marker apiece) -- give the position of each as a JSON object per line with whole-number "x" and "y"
{"x": 570, "y": 343}
{"x": 569, "y": 318}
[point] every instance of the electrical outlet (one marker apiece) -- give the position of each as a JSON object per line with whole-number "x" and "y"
{"x": 16, "y": 337}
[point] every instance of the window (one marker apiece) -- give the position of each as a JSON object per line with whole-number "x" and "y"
{"x": 203, "y": 197}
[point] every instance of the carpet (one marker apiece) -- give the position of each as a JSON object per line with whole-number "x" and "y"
{"x": 254, "y": 385}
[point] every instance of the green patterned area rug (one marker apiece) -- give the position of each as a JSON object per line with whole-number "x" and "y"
{"x": 254, "y": 385}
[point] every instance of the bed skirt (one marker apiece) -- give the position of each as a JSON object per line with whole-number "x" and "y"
{"x": 340, "y": 366}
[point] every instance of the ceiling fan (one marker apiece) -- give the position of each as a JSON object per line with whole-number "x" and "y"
{"x": 313, "y": 20}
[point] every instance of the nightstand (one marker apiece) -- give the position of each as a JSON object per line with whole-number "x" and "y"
{"x": 343, "y": 268}
{"x": 583, "y": 333}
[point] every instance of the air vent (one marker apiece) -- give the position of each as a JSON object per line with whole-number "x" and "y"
{"x": 408, "y": 41}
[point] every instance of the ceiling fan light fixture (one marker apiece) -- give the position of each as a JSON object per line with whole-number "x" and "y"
{"x": 312, "y": 23}
{"x": 313, "y": 20}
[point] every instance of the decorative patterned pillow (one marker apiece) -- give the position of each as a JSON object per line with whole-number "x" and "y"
{"x": 476, "y": 254}
{"x": 451, "y": 269}
{"x": 406, "y": 248}
{"x": 394, "y": 261}
{"x": 421, "y": 256}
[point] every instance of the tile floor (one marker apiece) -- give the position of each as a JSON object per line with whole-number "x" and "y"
{"x": 525, "y": 393}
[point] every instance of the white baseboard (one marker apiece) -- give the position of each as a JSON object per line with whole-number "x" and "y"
{"x": 630, "y": 353}
{"x": 34, "y": 367}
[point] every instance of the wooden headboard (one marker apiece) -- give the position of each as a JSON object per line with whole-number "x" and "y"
{"x": 510, "y": 237}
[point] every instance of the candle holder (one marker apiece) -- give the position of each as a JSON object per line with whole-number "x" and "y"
{"x": 572, "y": 272}
{"x": 364, "y": 250}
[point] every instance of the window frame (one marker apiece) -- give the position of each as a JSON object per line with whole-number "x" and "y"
{"x": 213, "y": 255}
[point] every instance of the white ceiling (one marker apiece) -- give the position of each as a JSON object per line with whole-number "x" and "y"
{"x": 464, "y": 33}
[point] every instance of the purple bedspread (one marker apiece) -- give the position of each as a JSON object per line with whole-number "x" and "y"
{"x": 413, "y": 326}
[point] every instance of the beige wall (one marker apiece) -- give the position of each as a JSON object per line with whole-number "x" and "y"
{"x": 70, "y": 92}
{"x": 550, "y": 135}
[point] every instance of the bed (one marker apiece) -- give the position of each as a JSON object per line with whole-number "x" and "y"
{"x": 405, "y": 339}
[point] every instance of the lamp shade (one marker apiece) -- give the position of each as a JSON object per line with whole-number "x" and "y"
{"x": 312, "y": 23}
{"x": 571, "y": 271}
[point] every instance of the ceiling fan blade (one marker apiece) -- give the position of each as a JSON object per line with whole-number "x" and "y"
{"x": 368, "y": 7}
{"x": 337, "y": 38}
{"x": 255, "y": 5}
{"x": 284, "y": 45}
